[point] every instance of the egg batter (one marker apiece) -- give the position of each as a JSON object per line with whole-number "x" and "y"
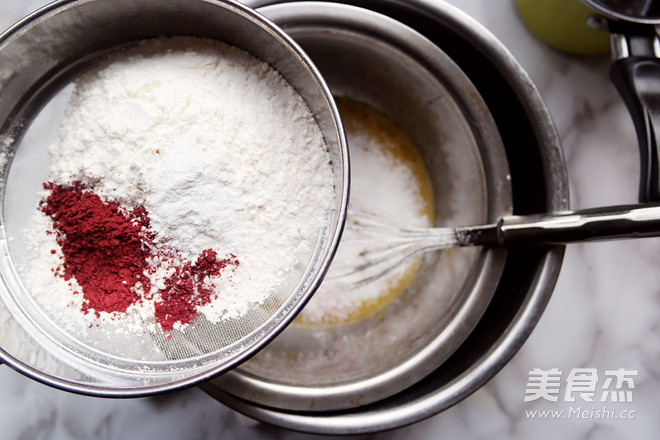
{"x": 388, "y": 179}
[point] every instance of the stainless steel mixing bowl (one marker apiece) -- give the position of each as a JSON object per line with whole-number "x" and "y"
{"x": 41, "y": 55}
{"x": 371, "y": 58}
{"x": 539, "y": 184}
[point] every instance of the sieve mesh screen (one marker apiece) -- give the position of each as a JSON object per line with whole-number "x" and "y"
{"x": 132, "y": 340}
{"x": 133, "y": 337}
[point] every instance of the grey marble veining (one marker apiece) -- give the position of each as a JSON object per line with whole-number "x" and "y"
{"x": 604, "y": 313}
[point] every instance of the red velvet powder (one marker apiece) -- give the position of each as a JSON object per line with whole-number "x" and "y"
{"x": 106, "y": 250}
{"x": 185, "y": 289}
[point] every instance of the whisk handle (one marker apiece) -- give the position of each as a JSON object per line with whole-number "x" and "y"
{"x": 630, "y": 221}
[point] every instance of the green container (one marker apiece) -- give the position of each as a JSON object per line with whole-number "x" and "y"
{"x": 562, "y": 24}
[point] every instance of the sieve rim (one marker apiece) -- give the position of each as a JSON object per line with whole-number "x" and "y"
{"x": 334, "y": 224}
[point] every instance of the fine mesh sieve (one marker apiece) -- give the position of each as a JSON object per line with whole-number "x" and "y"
{"x": 39, "y": 58}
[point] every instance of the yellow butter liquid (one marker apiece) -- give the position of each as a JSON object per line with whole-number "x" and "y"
{"x": 370, "y": 134}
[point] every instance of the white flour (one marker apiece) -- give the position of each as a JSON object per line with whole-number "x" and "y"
{"x": 218, "y": 148}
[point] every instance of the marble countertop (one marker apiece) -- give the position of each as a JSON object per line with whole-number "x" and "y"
{"x": 603, "y": 317}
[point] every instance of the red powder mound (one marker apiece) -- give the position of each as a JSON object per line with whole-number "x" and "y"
{"x": 185, "y": 289}
{"x": 106, "y": 250}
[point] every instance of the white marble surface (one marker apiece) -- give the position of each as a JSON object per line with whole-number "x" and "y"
{"x": 604, "y": 314}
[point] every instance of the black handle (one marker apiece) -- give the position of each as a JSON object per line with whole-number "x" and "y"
{"x": 636, "y": 74}
{"x": 638, "y": 80}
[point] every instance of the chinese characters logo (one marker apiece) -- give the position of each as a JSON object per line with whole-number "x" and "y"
{"x": 581, "y": 383}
